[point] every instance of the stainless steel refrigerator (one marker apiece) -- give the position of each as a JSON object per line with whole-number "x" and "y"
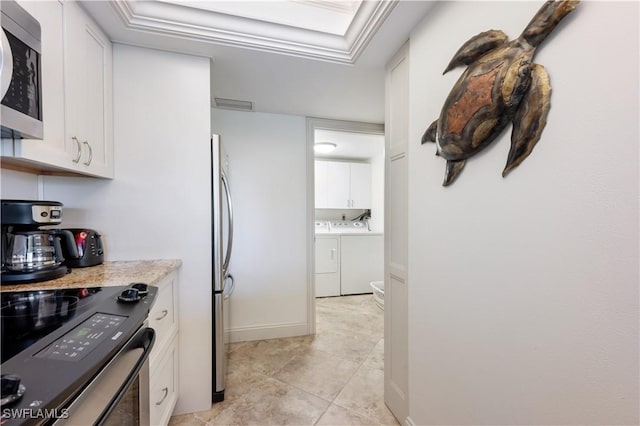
{"x": 222, "y": 240}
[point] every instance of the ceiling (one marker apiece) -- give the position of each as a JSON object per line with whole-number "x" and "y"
{"x": 315, "y": 58}
{"x": 350, "y": 145}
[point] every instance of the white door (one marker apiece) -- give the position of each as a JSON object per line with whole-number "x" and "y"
{"x": 396, "y": 342}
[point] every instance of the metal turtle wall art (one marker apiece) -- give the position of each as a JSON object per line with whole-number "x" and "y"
{"x": 500, "y": 85}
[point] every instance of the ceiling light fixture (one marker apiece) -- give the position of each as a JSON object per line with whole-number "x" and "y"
{"x": 324, "y": 147}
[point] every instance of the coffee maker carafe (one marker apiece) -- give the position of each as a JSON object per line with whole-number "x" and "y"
{"x": 29, "y": 253}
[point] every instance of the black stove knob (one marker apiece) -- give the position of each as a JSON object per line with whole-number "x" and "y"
{"x": 142, "y": 288}
{"x": 11, "y": 389}
{"x": 129, "y": 295}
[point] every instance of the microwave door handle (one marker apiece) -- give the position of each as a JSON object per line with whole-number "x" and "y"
{"x": 6, "y": 66}
{"x": 227, "y": 257}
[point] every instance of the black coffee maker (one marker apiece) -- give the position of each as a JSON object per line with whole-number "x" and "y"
{"x": 29, "y": 253}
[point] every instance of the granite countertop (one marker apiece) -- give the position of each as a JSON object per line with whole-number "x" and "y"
{"x": 109, "y": 274}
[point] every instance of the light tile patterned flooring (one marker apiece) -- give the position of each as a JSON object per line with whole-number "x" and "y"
{"x": 333, "y": 378}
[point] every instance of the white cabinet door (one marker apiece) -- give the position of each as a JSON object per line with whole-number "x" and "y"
{"x": 88, "y": 97}
{"x": 360, "y": 185}
{"x": 327, "y": 266}
{"x": 361, "y": 261}
{"x": 321, "y": 188}
{"x": 163, "y": 361}
{"x": 76, "y": 98}
{"x": 338, "y": 187}
{"x": 342, "y": 185}
{"x": 51, "y": 150}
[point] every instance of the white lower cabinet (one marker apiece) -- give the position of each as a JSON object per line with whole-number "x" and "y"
{"x": 163, "y": 386}
{"x": 163, "y": 361}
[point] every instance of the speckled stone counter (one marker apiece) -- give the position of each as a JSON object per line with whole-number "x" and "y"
{"x": 108, "y": 274}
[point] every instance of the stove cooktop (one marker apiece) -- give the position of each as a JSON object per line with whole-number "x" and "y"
{"x": 55, "y": 341}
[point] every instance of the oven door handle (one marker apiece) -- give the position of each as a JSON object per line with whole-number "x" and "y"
{"x": 102, "y": 395}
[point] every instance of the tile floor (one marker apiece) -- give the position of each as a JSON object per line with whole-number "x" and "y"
{"x": 333, "y": 378}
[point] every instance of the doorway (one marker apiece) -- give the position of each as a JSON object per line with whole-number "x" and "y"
{"x": 346, "y": 190}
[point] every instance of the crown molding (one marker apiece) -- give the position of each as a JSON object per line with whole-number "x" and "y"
{"x": 213, "y": 27}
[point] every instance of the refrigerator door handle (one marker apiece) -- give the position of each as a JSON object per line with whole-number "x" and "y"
{"x": 227, "y": 291}
{"x": 227, "y": 257}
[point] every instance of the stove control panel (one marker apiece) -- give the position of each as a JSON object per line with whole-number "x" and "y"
{"x": 80, "y": 341}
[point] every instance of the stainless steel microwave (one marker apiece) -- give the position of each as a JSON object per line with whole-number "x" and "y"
{"x": 20, "y": 73}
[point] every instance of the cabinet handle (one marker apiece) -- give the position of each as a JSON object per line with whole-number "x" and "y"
{"x": 164, "y": 314}
{"x": 77, "y": 159}
{"x": 90, "y": 153}
{"x": 166, "y": 393}
{"x": 333, "y": 252}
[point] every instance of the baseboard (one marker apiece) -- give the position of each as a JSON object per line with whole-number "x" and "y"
{"x": 409, "y": 422}
{"x": 272, "y": 331}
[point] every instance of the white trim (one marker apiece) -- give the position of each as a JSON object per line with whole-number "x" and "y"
{"x": 225, "y": 29}
{"x": 311, "y": 234}
{"x": 263, "y": 332}
{"x": 409, "y": 422}
{"x": 338, "y": 6}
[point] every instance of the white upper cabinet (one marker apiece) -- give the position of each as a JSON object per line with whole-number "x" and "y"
{"x": 338, "y": 186}
{"x": 88, "y": 102}
{"x": 342, "y": 185}
{"x": 360, "y": 185}
{"x": 76, "y": 96}
{"x": 321, "y": 188}
{"x": 51, "y": 150}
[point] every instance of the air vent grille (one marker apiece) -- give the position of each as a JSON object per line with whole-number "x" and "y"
{"x": 233, "y": 104}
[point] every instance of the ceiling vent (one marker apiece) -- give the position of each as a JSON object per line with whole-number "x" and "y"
{"x": 233, "y": 104}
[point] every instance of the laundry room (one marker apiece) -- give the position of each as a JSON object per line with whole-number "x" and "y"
{"x": 349, "y": 209}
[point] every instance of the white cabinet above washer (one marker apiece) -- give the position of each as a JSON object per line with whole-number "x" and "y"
{"x": 342, "y": 185}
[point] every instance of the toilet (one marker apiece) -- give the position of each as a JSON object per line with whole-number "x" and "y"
{"x": 378, "y": 293}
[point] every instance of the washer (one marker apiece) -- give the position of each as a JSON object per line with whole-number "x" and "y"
{"x": 322, "y": 226}
{"x": 349, "y": 227}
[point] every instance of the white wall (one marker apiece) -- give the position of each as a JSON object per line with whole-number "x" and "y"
{"x": 523, "y": 300}
{"x": 268, "y": 179}
{"x": 18, "y": 185}
{"x": 158, "y": 205}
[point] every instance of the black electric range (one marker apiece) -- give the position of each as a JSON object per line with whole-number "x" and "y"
{"x": 54, "y": 342}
